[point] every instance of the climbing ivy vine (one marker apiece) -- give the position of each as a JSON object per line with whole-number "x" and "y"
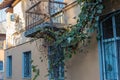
{"x": 80, "y": 33}
{"x": 70, "y": 37}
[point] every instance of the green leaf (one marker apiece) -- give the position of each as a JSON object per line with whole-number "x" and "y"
{"x": 99, "y": 11}
{"x": 96, "y": 25}
{"x": 100, "y": 6}
{"x": 97, "y": 18}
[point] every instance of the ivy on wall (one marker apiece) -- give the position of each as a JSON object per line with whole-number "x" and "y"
{"x": 69, "y": 38}
{"x": 80, "y": 33}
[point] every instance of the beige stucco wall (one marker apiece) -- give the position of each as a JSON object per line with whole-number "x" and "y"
{"x": 84, "y": 65}
{"x": 15, "y": 31}
{"x": 2, "y": 46}
{"x": 71, "y": 14}
{"x": 2, "y": 59}
{"x": 69, "y": 1}
{"x": 2, "y": 55}
{"x": 37, "y": 52}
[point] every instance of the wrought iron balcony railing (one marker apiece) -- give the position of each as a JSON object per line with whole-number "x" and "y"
{"x": 43, "y": 11}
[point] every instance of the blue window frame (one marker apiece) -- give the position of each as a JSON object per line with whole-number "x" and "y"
{"x": 57, "y": 72}
{"x": 1, "y": 65}
{"x": 110, "y": 47}
{"x": 9, "y": 66}
{"x": 26, "y": 65}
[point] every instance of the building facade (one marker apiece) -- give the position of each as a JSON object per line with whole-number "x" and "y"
{"x": 25, "y": 17}
{"x": 2, "y": 47}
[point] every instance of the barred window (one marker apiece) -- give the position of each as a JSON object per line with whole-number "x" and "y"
{"x": 110, "y": 46}
{"x": 55, "y": 61}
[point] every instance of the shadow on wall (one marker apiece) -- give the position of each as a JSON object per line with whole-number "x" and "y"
{"x": 84, "y": 63}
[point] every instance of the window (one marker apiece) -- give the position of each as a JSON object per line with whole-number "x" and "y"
{"x": 13, "y": 17}
{"x": 58, "y": 18}
{"x": 26, "y": 64}
{"x": 1, "y": 65}
{"x": 57, "y": 72}
{"x": 110, "y": 47}
{"x": 9, "y": 66}
{"x": 56, "y": 7}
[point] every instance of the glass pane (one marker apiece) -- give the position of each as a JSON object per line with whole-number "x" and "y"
{"x": 118, "y": 50}
{"x": 10, "y": 65}
{"x": 1, "y": 65}
{"x": 110, "y": 61}
{"x": 117, "y": 21}
{"x": 107, "y": 29}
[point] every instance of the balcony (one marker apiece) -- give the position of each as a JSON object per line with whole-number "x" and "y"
{"x": 44, "y": 13}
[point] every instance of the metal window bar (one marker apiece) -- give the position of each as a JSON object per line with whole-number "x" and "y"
{"x": 57, "y": 72}
{"x": 111, "y": 50}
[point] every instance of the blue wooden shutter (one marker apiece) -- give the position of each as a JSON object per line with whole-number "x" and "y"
{"x": 9, "y": 66}
{"x": 1, "y": 65}
{"x": 27, "y": 64}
